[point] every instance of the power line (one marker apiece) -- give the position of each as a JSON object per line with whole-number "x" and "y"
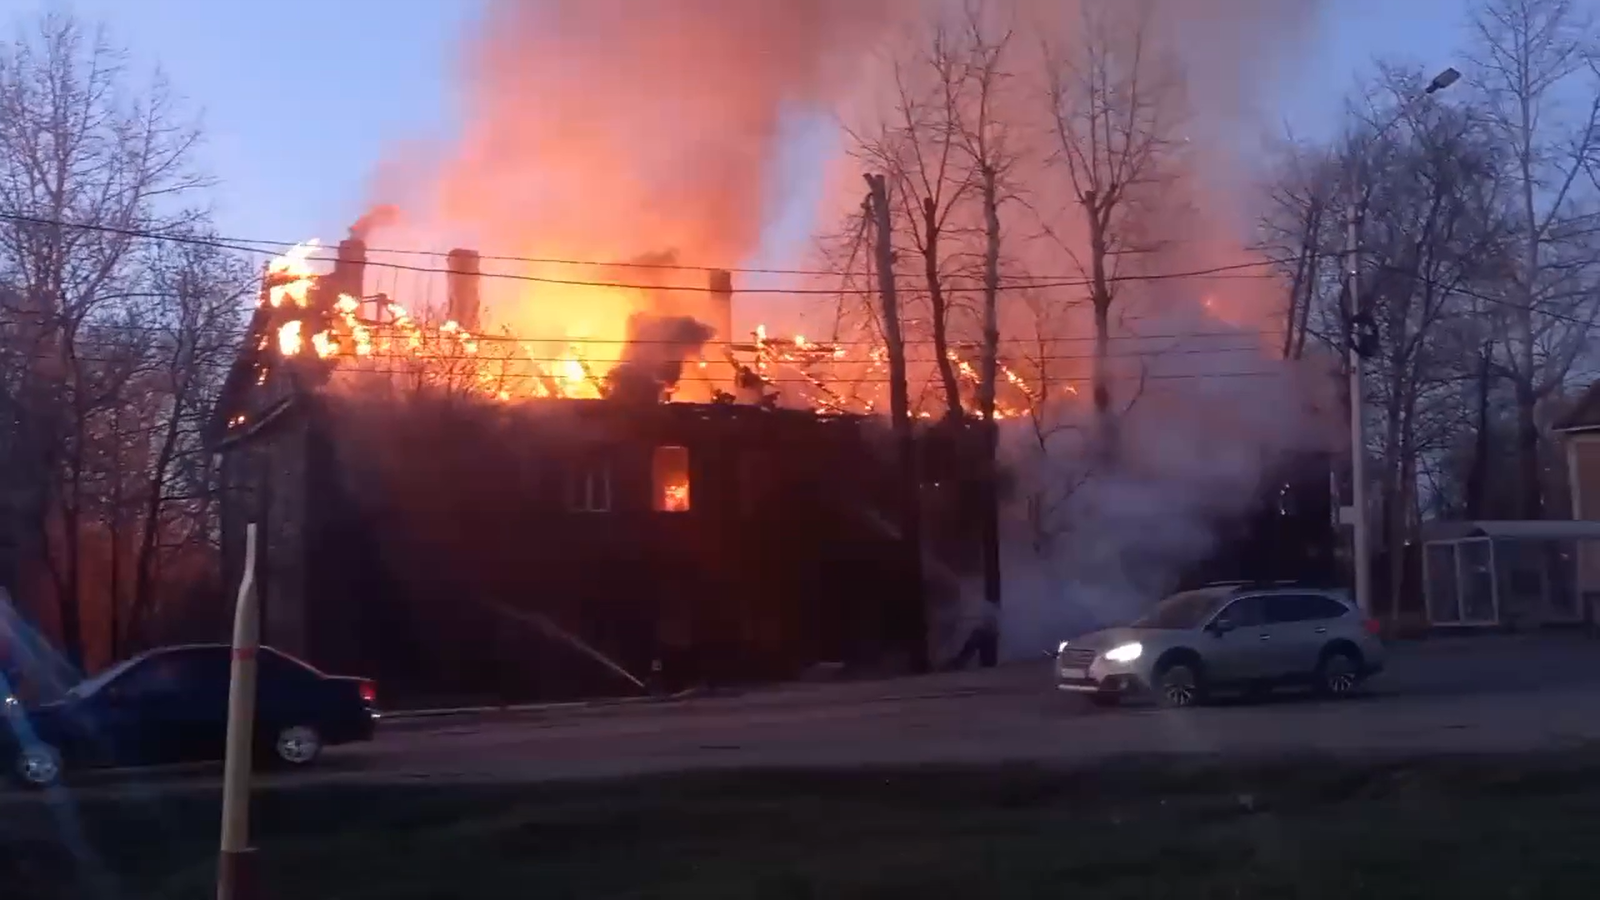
{"x": 846, "y": 383}
{"x": 1235, "y": 270}
{"x": 1477, "y": 295}
{"x": 482, "y": 361}
{"x": 776, "y": 342}
{"x": 359, "y": 369}
{"x": 240, "y": 244}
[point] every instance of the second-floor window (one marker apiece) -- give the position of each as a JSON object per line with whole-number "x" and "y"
{"x": 669, "y": 471}
{"x": 589, "y": 488}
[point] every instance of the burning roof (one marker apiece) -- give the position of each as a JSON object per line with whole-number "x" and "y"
{"x": 324, "y": 327}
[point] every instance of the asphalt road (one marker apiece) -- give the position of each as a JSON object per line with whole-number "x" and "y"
{"x": 1479, "y": 694}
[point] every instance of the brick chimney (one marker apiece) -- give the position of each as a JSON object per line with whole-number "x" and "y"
{"x": 349, "y": 275}
{"x": 719, "y": 308}
{"x": 462, "y": 287}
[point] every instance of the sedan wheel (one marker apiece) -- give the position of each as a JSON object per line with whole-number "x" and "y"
{"x": 1179, "y": 686}
{"x": 39, "y": 766}
{"x": 298, "y": 745}
{"x": 1339, "y": 675}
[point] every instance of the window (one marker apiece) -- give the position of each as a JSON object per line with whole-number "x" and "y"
{"x": 1183, "y": 610}
{"x": 1244, "y": 612}
{"x": 1303, "y": 608}
{"x": 669, "y": 471}
{"x": 278, "y": 670}
{"x": 174, "y": 672}
{"x": 589, "y": 489}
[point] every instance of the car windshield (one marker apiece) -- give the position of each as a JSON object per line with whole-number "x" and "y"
{"x": 90, "y": 685}
{"x": 1184, "y": 610}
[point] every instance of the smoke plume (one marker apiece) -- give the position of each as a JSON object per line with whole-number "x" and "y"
{"x": 654, "y": 354}
{"x": 650, "y": 129}
{"x": 610, "y": 128}
{"x": 383, "y": 215}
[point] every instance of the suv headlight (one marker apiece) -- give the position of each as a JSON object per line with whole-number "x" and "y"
{"x": 1125, "y": 652}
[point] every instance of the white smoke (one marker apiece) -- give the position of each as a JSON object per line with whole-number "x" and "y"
{"x": 1087, "y": 549}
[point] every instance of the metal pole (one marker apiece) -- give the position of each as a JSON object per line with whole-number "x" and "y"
{"x": 1361, "y": 546}
{"x": 1361, "y": 549}
{"x": 235, "y": 878}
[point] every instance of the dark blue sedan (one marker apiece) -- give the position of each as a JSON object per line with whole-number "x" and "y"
{"x": 171, "y": 705}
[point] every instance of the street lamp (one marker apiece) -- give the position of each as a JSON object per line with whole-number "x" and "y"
{"x": 1358, "y": 345}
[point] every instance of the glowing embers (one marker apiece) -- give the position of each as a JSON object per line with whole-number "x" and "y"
{"x": 669, "y": 469}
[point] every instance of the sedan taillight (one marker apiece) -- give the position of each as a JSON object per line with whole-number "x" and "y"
{"x": 369, "y": 692}
{"x": 1373, "y": 627}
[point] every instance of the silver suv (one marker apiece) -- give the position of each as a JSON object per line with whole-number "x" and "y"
{"x": 1226, "y": 636}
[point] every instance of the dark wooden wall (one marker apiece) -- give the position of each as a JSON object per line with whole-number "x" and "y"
{"x": 432, "y": 544}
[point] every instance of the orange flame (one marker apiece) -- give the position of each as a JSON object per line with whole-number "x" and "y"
{"x": 824, "y": 376}
{"x": 291, "y": 275}
{"x": 289, "y": 340}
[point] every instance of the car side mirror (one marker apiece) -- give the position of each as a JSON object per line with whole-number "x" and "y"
{"x": 1221, "y": 626}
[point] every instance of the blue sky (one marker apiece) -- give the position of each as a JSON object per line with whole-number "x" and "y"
{"x": 300, "y": 98}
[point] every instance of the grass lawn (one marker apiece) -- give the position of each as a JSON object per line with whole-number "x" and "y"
{"x": 1453, "y": 828}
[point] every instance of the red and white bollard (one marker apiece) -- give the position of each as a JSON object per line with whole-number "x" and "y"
{"x": 235, "y": 872}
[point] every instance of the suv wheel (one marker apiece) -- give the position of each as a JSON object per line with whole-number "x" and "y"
{"x": 1339, "y": 673}
{"x": 1179, "y": 684}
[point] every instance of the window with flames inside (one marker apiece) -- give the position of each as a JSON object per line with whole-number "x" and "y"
{"x": 670, "y": 478}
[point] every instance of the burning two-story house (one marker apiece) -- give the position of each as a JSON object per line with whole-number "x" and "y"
{"x": 441, "y": 510}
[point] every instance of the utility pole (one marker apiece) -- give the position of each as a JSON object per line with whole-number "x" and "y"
{"x": 1359, "y": 345}
{"x": 989, "y": 650}
{"x": 1361, "y": 545}
{"x": 900, "y": 419}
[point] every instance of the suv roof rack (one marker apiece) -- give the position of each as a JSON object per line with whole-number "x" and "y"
{"x": 1260, "y": 583}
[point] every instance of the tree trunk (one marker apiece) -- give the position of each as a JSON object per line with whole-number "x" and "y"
{"x": 900, "y": 417}
{"x": 1304, "y": 327}
{"x": 114, "y": 599}
{"x": 1302, "y": 290}
{"x": 936, "y": 303}
{"x": 1393, "y": 481}
{"x": 69, "y": 591}
{"x": 1478, "y": 473}
{"x": 144, "y": 561}
{"x": 1401, "y": 506}
{"x": 1532, "y": 493}
{"x": 1100, "y": 376}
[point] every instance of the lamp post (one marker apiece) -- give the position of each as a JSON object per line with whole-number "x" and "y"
{"x": 1361, "y": 546}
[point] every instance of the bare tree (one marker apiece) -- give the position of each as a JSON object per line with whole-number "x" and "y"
{"x": 1432, "y": 235}
{"x": 1115, "y": 104}
{"x": 878, "y": 200}
{"x": 1536, "y": 70}
{"x": 918, "y": 147}
{"x": 1297, "y": 229}
{"x": 984, "y": 137}
{"x": 89, "y": 159}
{"x": 193, "y": 337}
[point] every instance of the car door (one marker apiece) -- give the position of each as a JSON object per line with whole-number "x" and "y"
{"x": 287, "y": 693}
{"x": 1300, "y": 624}
{"x": 1238, "y": 643}
{"x": 193, "y": 708}
{"x": 124, "y": 719}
